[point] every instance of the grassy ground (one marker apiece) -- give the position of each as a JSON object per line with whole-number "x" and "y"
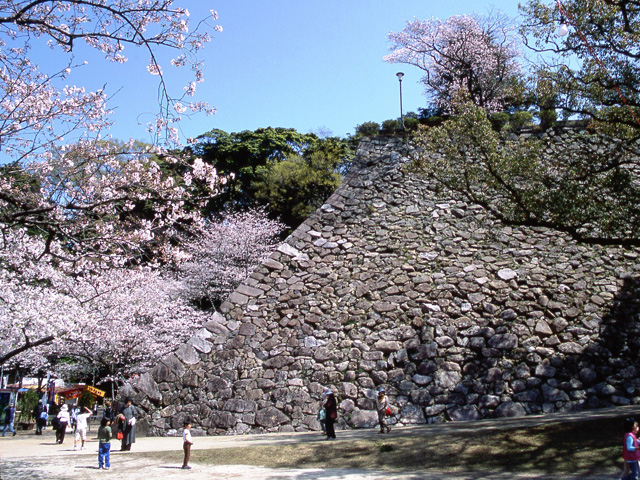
{"x": 587, "y": 447}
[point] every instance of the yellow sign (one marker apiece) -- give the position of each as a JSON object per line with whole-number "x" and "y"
{"x": 95, "y": 391}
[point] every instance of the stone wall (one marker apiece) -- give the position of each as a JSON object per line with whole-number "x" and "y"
{"x": 391, "y": 283}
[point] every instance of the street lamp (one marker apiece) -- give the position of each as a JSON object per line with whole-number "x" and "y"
{"x": 400, "y": 75}
{"x": 563, "y": 29}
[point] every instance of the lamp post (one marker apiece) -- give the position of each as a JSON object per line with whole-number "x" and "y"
{"x": 400, "y": 75}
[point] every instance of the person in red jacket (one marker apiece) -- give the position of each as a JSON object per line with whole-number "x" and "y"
{"x": 631, "y": 449}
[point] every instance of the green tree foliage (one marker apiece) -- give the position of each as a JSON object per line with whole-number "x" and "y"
{"x": 595, "y": 69}
{"x": 28, "y": 186}
{"x": 27, "y": 403}
{"x": 588, "y": 191}
{"x": 390, "y": 126}
{"x": 295, "y": 187}
{"x": 368, "y": 129}
{"x": 253, "y": 159}
{"x": 86, "y": 400}
{"x": 244, "y": 154}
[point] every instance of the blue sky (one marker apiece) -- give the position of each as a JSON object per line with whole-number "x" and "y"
{"x": 305, "y": 64}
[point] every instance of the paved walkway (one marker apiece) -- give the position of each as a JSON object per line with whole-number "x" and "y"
{"x": 27, "y": 456}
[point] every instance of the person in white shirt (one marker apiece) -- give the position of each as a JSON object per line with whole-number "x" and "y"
{"x": 187, "y": 441}
{"x": 81, "y": 427}
{"x": 62, "y": 422}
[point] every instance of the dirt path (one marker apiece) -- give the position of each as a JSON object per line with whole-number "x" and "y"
{"x": 27, "y": 456}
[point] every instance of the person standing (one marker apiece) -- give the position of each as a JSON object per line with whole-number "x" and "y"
{"x": 40, "y": 416}
{"x": 130, "y": 414}
{"x": 82, "y": 419}
{"x": 322, "y": 416}
{"x": 331, "y": 408}
{"x": 187, "y": 441}
{"x": 63, "y": 421}
{"x": 104, "y": 446}
{"x": 108, "y": 412}
{"x": 9, "y": 417}
{"x": 631, "y": 449}
{"x": 73, "y": 414}
{"x": 383, "y": 406}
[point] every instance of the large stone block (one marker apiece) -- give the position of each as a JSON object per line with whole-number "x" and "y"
{"x": 511, "y": 409}
{"x": 271, "y": 417}
{"x": 240, "y": 406}
{"x": 147, "y": 385}
{"x": 411, "y": 414}
{"x": 188, "y": 354}
{"x": 363, "y": 419}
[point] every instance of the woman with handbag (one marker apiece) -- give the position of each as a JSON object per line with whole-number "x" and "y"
{"x": 130, "y": 414}
{"x": 331, "y": 413}
{"x": 383, "y": 406}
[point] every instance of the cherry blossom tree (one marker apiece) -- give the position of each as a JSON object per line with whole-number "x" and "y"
{"x": 465, "y": 55}
{"x": 37, "y": 109}
{"x": 131, "y": 319}
{"x": 225, "y": 254}
{"x": 88, "y": 188}
{"x": 115, "y": 322}
{"x": 81, "y": 217}
{"x": 33, "y": 307}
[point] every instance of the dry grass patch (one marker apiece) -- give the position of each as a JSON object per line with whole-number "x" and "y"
{"x": 586, "y": 447}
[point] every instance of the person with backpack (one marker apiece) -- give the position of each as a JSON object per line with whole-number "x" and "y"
{"x": 73, "y": 415}
{"x": 108, "y": 412}
{"x": 40, "y": 415}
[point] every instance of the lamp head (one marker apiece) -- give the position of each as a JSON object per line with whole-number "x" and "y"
{"x": 400, "y": 75}
{"x": 562, "y": 30}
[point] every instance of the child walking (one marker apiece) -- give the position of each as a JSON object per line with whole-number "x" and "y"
{"x": 104, "y": 448}
{"x": 82, "y": 423}
{"x": 631, "y": 449}
{"x": 187, "y": 441}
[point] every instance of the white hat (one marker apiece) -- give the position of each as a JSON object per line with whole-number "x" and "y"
{"x": 327, "y": 391}
{"x": 63, "y": 407}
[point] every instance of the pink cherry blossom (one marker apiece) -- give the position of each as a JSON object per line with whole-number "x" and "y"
{"x": 463, "y": 55}
{"x": 86, "y": 223}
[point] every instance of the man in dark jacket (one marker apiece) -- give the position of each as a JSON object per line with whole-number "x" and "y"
{"x": 109, "y": 412}
{"x": 40, "y": 417}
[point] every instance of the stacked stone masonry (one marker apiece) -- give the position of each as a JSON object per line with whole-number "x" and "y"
{"x": 392, "y": 284}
